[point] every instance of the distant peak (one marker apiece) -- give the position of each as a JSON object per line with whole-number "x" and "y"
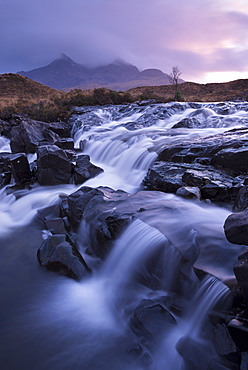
{"x": 120, "y": 61}
{"x": 64, "y": 56}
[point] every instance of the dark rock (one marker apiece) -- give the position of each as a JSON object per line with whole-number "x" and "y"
{"x": 187, "y": 123}
{"x": 213, "y": 185}
{"x": 227, "y": 151}
{"x": 244, "y": 361}
{"x": 164, "y": 177}
{"x": 241, "y": 273}
{"x": 238, "y": 330}
{"x": 60, "y": 128}
{"x": 77, "y": 202}
{"x": 5, "y": 128}
{"x": 56, "y": 225}
{"x": 194, "y": 353}
{"x": 169, "y": 177}
{"x": 65, "y": 143}
{"x": 20, "y": 168}
{"x": 236, "y": 227}
{"x": 151, "y": 318}
{"x": 5, "y": 169}
{"x": 58, "y": 255}
{"x": 233, "y": 159}
{"x": 53, "y": 166}
{"x": 27, "y": 134}
{"x": 16, "y": 165}
{"x": 221, "y": 363}
{"x": 189, "y": 192}
{"x": 85, "y": 170}
{"x": 241, "y": 201}
{"x": 49, "y": 136}
{"x": 223, "y": 341}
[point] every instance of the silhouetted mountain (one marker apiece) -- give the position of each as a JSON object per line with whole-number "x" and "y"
{"x": 65, "y": 74}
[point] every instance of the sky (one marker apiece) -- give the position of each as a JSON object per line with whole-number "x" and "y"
{"x": 206, "y": 39}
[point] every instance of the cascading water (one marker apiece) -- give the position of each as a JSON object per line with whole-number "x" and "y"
{"x": 51, "y": 322}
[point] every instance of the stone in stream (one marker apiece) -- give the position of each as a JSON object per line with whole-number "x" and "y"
{"x": 27, "y": 134}
{"x": 58, "y": 255}
{"x": 236, "y": 227}
{"x": 53, "y": 166}
{"x": 77, "y": 202}
{"x": 213, "y": 184}
{"x": 85, "y": 170}
{"x": 151, "y": 318}
{"x": 15, "y": 165}
{"x": 20, "y": 168}
{"x": 189, "y": 192}
{"x": 235, "y": 159}
{"x": 241, "y": 201}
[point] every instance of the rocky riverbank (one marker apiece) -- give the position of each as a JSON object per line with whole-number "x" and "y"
{"x": 211, "y": 170}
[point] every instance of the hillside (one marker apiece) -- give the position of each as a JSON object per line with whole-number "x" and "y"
{"x": 19, "y": 94}
{"x": 211, "y": 92}
{"x": 65, "y": 74}
{"x": 16, "y": 89}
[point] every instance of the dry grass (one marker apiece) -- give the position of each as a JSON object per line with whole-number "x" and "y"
{"x": 212, "y": 92}
{"x": 20, "y": 94}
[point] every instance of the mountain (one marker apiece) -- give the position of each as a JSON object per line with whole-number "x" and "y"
{"x": 65, "y": 74}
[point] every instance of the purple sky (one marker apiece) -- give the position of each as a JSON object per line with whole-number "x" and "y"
{"x": 207, "y": 39}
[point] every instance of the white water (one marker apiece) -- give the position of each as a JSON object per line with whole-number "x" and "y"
{"x": 61, "y": 324}
{"x": 4, "y": 145}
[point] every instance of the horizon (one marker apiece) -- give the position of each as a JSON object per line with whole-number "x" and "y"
{"x": 208, "y": 41}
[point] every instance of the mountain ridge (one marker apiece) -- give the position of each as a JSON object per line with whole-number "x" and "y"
{"x": 65, "y": 74}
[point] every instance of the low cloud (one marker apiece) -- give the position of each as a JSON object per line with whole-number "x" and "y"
{"x": 200, "y": 37}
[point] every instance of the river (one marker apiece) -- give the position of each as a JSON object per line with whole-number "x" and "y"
{"x": 52, "y": 322}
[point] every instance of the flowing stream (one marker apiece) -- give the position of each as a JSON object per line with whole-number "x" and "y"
{"x": 52, "y": 322}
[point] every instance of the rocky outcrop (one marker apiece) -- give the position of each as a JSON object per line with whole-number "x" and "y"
{"x": 216, "y": 165}
{"x": 85, "y": 170}
{"x": 15, "y": 165}
{"x": 55, "y": 154}
{"x": 53, "y": 166}
{"x": 59, "y": 255}
{"x": 236, "y": 227}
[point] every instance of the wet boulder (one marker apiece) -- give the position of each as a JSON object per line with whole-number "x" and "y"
{"x": 238, "y": 330}
{"x": 163, "y": 176}
{"x": 236, "y": 227}
{"x": 77, "y": 202}
{"x": 58, "y": 255}
{"x": 223, "y": 341}
{"x": 195, "y": 354}
{"x": 241, "y": 273}
{"x": 62, "y": 129}
{"x": 241, "y": 201}
{"x": 234, "y": 159}
{"x": 189, "y": 192}
{"x": 65, "y": 143}
{"x": 85, "y": 170}
{"x": 188, "y": 123}
{"x": 15, "y": 165}
{"x": 169, "y": 177}
{"x": 20, "y": 168}
{"x": 5, "y": 128}
{"x": 151, "y": 319}
{"x": 53, "y": 166}
{"x": 27, "y": 134}
{"x": 25, "y": 137}
{"x": 5, "y": 168}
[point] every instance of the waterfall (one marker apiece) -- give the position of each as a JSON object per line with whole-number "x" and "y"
{"x": 189, "y": 334}
{"x": 116, "y": 318}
